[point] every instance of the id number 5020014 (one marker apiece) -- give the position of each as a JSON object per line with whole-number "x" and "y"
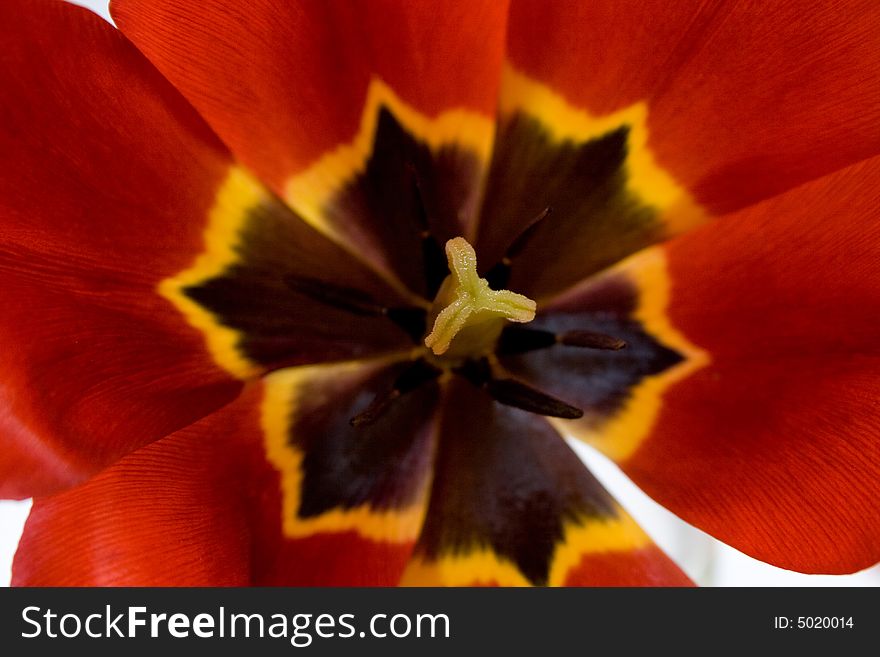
{"x": 813, "y": 622}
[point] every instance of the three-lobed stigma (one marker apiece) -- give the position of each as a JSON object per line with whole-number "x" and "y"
{"x": 469, "y": 314}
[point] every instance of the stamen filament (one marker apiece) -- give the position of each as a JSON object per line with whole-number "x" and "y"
{"x": 411, "y": 320}
{"x": 499, "y": 275}
{"x": 410, "y": 379}
{"x": 344, "y": 298}
{"x": 432, "y": 254}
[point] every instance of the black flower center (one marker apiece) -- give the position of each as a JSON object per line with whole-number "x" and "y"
{"x": 469, "y": 328}
{"x": 411, "y": 199}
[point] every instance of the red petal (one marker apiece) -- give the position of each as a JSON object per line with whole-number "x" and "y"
{"x": 743, "y": 101}
{"x": 171, "y": 514}
{"x": 283, "y": 83}
{"x": 769, "y": 442}
{"x": 647, "y": 566}
{"x": 108, "y": 177}
{"x": 217, "y": 503}
{"x": 299, "y": 90}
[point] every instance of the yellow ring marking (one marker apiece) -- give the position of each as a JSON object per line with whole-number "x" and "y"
{"x": 310, "y": 191}
{"x": 484, "y": 566}
{"x": 620, "y": 436}
{"x": 284, "y": 392}
{"x": 238, "y": 194}
{"x": 595, "y": 536}
{"x": 564, "y": 122}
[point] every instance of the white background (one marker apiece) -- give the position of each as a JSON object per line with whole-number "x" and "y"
{"x": 706, "y": 560}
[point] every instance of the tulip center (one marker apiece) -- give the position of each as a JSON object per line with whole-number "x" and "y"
{"x": 467, "y": 315}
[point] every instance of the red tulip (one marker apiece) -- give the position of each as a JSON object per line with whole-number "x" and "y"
{"x": 222, "y": 235}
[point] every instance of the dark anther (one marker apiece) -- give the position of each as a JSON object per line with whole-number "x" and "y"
{"x": 499, "y": 275}
{"x": 411, "y": 320}
{"x": 436, "y": 269}
{"x": 519, "y": 395}
{"x": 418, "y": 373}
{"x": 523, "y": 239}
{"x": 519, "y": 340}
{"x": 414, "y": 376}
{"x": 421, "y": 208}
{"x": 515, "y": 393}
{"x": 590, "y": 340}
{"x": 377, "y": 408}
{"x": 345, "y": 298}
{"x": 477, "y": 372}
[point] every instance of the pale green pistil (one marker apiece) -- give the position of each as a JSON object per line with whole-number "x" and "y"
{"x": 472, "y": 314}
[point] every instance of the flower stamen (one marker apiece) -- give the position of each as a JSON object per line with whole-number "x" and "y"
{"x": 413, "y": 377}
{"x": 499, "y": 275}
{"x": 470, "y": 308}
{"x": 590, "y": 340}
{"x": 432, "y": 254}
{"x": 411, "y": 320}
{"x": 519, "y": 340}
{"x": 511, "y": 392}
